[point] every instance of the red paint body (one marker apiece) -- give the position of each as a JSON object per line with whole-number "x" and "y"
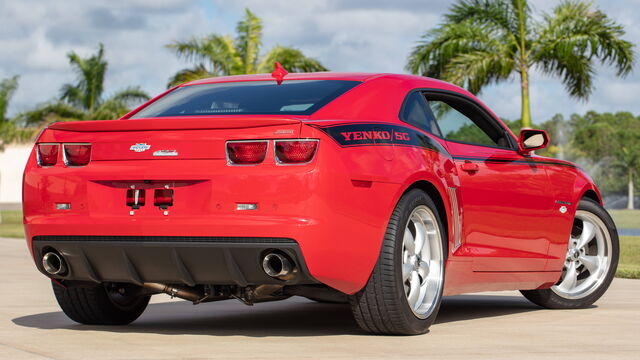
{"x": 513, "y": 235}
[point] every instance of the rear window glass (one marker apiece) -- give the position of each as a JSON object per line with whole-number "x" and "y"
{"x": 295, "y": 97}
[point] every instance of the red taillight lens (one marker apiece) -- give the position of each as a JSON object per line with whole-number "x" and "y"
{"x": 246, "y": 152}
{"x": 135, "y": 198}
{"x": 163, "y": 198}
{"x": 77, "y": 154}
{"x": 47, "y": 154}
{"x": 295, "y": 151}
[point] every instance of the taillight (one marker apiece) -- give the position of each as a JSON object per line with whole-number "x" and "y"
{"x": 246, "y": 152}
{"x": 76, "y": 154}
{"x": 295, "y": 151}
{"x": 47, "y": 154}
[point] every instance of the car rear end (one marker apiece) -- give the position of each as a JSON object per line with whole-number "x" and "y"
{"x": 221, "y": 197}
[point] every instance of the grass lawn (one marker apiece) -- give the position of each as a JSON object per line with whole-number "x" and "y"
{"x": 626, "y": 219}
{"x": 11, "y": 225}
{"x": 629, "y": 266}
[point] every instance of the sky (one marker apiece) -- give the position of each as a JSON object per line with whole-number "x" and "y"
{"x": 344, "y": 35}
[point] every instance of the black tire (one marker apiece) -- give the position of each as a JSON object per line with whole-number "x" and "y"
{"x": 549, "y": 299}
{"x": 381, "y": 307}
{"x": 93, "y": 305}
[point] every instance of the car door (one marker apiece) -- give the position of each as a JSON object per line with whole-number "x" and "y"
{"x": 506, "y": 197}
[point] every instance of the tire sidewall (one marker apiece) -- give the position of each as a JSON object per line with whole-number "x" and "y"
{"x": 614, "y": 252}
{"x": 408, "y": 203}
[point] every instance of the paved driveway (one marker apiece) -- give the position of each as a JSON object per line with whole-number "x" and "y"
{"x": 484, "y": 326}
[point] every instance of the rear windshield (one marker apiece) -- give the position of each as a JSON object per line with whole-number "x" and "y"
{"x": 295, "y": 97}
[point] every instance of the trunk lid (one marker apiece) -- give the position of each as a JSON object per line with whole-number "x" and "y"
{"x": 169, "y": 138}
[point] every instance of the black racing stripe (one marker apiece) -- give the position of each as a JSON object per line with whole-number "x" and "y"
{"x": 502, "y": 161}
{"x": 376, "y": 134}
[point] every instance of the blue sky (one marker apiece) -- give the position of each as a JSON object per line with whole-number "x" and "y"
{"x": 355, "y": 35}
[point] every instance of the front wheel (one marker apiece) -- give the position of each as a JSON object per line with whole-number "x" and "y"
{"x": 590, "y": 263}
{"x": 404, "y": 292}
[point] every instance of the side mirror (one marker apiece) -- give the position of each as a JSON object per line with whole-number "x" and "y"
{"x": 532, "y": 139}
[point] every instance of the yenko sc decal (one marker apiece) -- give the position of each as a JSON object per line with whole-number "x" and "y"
{"x": 371, "y": 134}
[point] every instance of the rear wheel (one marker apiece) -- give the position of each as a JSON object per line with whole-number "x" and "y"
{"x": 97, "y": 304}
{"x": 590, "y": 263}
{"x": 404, "y": 291}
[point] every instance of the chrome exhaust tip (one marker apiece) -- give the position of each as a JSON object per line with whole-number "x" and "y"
{"x": 277, "y": 265}
{"x": 54, "y": 264}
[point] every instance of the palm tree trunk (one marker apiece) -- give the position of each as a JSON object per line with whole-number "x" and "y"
{"x": 524, "y": 88}
{"x": 630, "y": 192}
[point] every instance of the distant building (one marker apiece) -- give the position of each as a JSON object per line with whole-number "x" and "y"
{"x": 12, "y": 162}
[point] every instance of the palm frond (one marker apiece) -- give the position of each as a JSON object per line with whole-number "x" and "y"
{"x": 446, "y": 51}
{"x": 572, "y": 37}
{"x": 7, "y": 88}
{"x": 130, "y": 96}
{"x": 73, "y": 95}
{"x": 91, "y": 72}
{"x": 186, "y": 75}
{"x": 476, "y": 69}
{"x": 249, "y": 41}
{"x": 50, "y": 112}
{"x": 216, "y": 50}
{"x": 111, "y": 109}
{"x": 499, "y": 14}
{"x": 291, "y": 59}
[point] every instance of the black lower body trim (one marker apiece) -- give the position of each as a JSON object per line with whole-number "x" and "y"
{"x": 171, "y": 260}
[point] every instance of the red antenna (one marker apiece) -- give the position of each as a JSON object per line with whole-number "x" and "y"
{"x": 279, "y": 73}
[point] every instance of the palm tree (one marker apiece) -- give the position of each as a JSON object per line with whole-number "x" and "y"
{"x": 219, "y": 55}
{"x": 84, "y": 99}
{"x": 486, "y": 41}
{"x": 9, "y": 130}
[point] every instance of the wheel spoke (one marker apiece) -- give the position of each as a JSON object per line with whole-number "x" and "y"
{"x": 414, "y": 291}
{"x": 570, "y": 277}
{"x": 590, "y": 262}
{"x": 588, "y": 232}
{"x": 420, "y": 234}
{"x": 423, "y": 271}
{"x": 409, "y": 243}
{"x": 407, "y": 269}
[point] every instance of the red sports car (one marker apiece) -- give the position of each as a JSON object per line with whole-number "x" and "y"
{"x": 385, "y": 191}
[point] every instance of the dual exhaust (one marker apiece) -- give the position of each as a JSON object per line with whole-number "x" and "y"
{"x": 275, "y": 264}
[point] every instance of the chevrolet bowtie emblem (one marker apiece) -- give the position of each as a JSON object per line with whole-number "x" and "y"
{"x": 140, "y": 147}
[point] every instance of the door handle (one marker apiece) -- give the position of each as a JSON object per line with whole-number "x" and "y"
{"x": 469, "y": 166}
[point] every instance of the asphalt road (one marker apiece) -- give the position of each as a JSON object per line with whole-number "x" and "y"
{"x": 482, "y": 326}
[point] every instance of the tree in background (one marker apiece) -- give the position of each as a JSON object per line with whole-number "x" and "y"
{"x": 614, "y": 140}
{"x": 486, "y": 41}
{"x": 9, "y": 132}
{"x": 85, "y": 99}
{"x": 219, "y": 55}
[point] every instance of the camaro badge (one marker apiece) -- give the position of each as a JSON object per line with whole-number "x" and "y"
{"x": 140, "y": 147}
{"x": 165, "y": 153}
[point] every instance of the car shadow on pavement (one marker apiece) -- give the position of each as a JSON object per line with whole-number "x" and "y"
{"x": 292, "y": 317}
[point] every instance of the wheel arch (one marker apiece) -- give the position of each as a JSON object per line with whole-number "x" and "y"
{"x": 593, "y": 195}
{"x": 430, "y": 189}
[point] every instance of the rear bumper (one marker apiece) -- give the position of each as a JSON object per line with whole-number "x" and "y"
{"x": 187, "y": 260}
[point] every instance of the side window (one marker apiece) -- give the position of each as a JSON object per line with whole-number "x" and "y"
{"x": 459, "y": 120}
{"x": 417, "y": 113}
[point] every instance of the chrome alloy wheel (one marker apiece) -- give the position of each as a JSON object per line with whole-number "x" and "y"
{"x": 422, "y": 261}
{"x": 588, "y": 257}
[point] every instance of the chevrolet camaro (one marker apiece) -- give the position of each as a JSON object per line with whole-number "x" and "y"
{"x": 383, "y": 191}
